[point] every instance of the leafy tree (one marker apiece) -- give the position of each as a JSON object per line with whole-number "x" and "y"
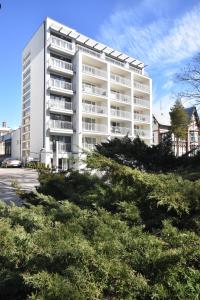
{"x": 179, "y": 123}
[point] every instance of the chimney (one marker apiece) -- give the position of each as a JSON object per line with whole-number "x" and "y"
{"x": 4, "y": 124}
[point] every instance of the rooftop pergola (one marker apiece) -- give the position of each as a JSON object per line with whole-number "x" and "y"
{"x": 94, "y": 45}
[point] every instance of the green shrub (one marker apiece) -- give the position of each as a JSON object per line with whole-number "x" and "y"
{"x": 36, "y": 165}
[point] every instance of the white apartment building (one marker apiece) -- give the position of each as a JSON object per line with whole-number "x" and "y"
{"x": 77, "y": 92}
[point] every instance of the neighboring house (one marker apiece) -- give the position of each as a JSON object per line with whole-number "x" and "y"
{"x": 192, "y": 141}
{"x": 10, "y": 144}
{"x": 78, "y": 92}
{"x": 3, "y": 131}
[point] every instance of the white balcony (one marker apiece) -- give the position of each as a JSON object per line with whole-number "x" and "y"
{"x": 142, "y": 118}
{"x": 142, "y": 87}
{"x": 94, "y": 127}
{"x": 93, "y": 71}
{"x": 60, "y": 86}
{"x": 58, "y": 125}
{"x": 141, "y": 102}
{"x": 142, "y": 133}
{"x": 115, "y": 62}
{"x": 120, "y": 79}
{"x": 120, "y": 97}
{"x": 87, "y": 146}
{"x": 61, "y": 45}
{"x": 94, "y": 90}
{"x": 120, "y": 113}
{"x": 135, "y": 70}
{"x": 88, "y": 51}
{"x": 94, "y": 109}
{"x": 62, "y": 147}
{"x": 120, "y": 130}
{"x": 60, "y": 105}
{"x": 60, "y": 65}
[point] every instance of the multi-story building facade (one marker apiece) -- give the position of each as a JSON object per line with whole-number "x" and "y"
{"x": 78, "y": 92}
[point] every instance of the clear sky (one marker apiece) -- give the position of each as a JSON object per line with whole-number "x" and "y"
{"x": 164, "y": 34}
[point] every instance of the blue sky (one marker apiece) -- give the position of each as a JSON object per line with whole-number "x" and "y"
{"x": 164, "y": 34}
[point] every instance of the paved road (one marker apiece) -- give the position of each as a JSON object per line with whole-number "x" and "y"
{"x": 26, "y": 178}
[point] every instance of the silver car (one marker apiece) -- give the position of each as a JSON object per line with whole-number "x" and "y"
{"x": 10, "y": 162}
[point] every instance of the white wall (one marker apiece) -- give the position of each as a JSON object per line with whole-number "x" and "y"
{"x": 16, "y": 144}
{"x": 36, "y": 47}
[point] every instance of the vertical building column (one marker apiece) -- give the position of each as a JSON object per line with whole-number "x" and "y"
{"x": 77, "y": 119}
{"x": 150, "y": 88}
{"x": 108, "y": 104}
{"x": 132, "y": 105}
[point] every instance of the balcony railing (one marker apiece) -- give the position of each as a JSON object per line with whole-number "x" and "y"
{"x": 141, "y": 102}
{"x": 62, "y": 147}
{"x": 96, "y": 109}
{"x": 94, "y": 90}
{"x": 88, "y": 51}
{"x": 120, "y": 97}
{"x": 58, "y": 124}
{"x": 120, "y": 113}
{"x": 88, "y": 146}
{"x": 120, "y": 79}
{"x": 93, "y": 71}
{"x": 141, "y": 86}
{"x": 94, "y": 127}
{"x": 136, "y": 70}
{"x": 142, "y": 118}
{"x": 115, "y": 62}
{"x": 120, "y": 130}
{"x": 58, "y": 63}
{"x": 60, "y": 84}
{"x": 60, "y": 104}
{"x": 60, "y": 43}
{"x": 143, "y": 133}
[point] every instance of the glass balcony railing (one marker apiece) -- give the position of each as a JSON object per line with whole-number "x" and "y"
{"x": 56, "y": 83}
{"x": 120, "y": 79}
{"x": 141, "y": 102}
{"x": 62, "y": 147}
{"x": 60, "y": 64}
{"x": 141, "y": 118}
{"x": 141, "y": 86}
{"x": 58, "y": 124}
{"x": 120, "y": 97}
{"x": 94, "y": 90}
{"x": 120, "y": 113}
{"x": 93, "y": 71}
{"x": 96, "y": 109}
{"x": 120, "y": 130}
{"x": 62, "y": 44}
{"x": 60, "y": 104}
{"x": 142, "y": 133}
{"x": 94, "y": 127}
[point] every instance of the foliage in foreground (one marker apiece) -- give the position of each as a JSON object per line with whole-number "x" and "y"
{"x": 129, "y": 235}
{"x": 157, "y": 158}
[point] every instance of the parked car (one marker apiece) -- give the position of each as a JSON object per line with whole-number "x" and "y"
{"x": 10, "y": 162}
